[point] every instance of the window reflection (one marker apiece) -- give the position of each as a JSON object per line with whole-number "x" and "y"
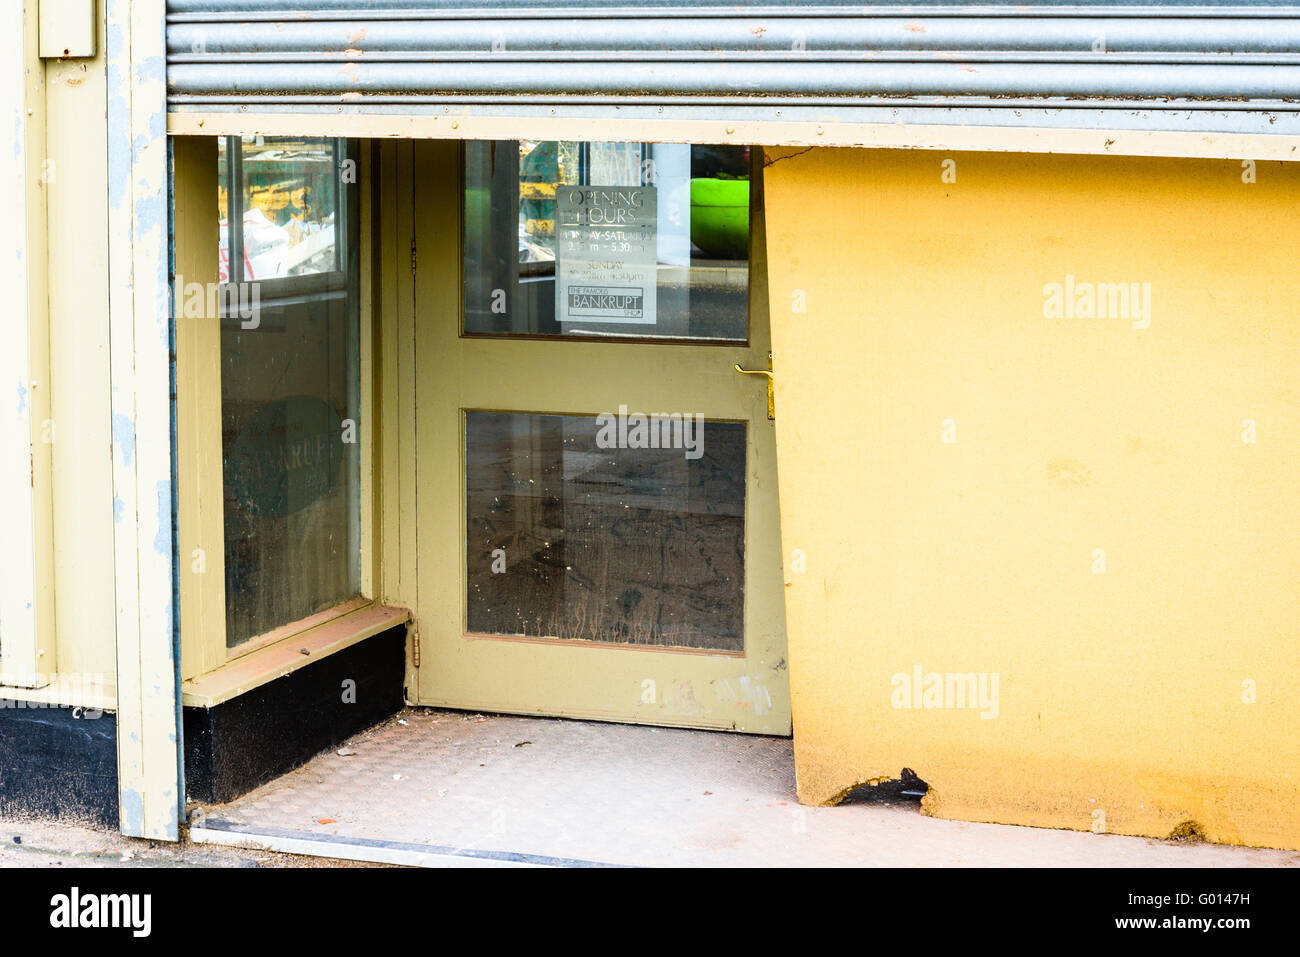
{"x": 287, "y": 205}
{"x": 607, "y": 239}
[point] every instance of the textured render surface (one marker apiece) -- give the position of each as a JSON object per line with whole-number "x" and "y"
{"x": 1145, "y": 690}
{"x": 623, "y": 794}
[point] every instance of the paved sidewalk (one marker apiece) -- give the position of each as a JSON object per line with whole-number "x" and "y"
{"x": 49, "y": 844}
{"x": 458, "y": 788}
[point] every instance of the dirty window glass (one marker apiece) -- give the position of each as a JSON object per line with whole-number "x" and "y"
{"x": 628, "y": 529}
{"x": 646, "y": 240}
{"x": 289, "y": 387}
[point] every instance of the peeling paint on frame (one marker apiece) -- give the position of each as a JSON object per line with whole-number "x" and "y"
{"x": 149, "y": 761}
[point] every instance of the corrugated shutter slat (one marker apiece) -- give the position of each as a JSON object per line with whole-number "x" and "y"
{"x": 1166, "y": 56}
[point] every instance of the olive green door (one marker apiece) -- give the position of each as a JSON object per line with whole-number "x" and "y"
{"x": 595, "y": 484}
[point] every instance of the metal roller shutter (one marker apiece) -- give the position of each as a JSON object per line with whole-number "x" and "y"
{"x": 1201, "y": 62}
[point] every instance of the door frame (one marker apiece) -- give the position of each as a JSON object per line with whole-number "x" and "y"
{"x": 408, "y": 172}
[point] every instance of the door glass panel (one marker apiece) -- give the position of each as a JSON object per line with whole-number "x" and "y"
{"x": 616, "y": 528}
{"x": 647, "y": 240}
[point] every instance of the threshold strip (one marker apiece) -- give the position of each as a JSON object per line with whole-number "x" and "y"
{"x": 372, "y": 850}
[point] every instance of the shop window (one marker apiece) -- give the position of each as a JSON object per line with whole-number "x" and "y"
{"x": 289, "y": 362}
{"x": 608, "y": 240}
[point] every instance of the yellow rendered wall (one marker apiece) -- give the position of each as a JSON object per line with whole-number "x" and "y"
{"x": 1134, "y": 697}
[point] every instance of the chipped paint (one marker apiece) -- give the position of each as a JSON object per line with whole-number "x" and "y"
{"x": 124, "y": 437}
{"x": 149, "y": 772}
{"x": 744, "y": 690}
{"x": 162, "y": 541}
{"x": 131, "y": 809}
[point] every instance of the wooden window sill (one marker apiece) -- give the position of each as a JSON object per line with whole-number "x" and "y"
{"x": 287, "y": 655}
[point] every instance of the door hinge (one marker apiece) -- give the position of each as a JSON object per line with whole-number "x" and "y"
{"x": 415, "y": 645}
{"x": 412, "y": 256}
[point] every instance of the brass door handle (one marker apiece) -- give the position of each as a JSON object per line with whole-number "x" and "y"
{"x": 771, "y": 381}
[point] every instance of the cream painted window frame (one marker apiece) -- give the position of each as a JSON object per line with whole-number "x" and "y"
{"x": 467, "y": 124}
{"x": 200, "y": 493}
